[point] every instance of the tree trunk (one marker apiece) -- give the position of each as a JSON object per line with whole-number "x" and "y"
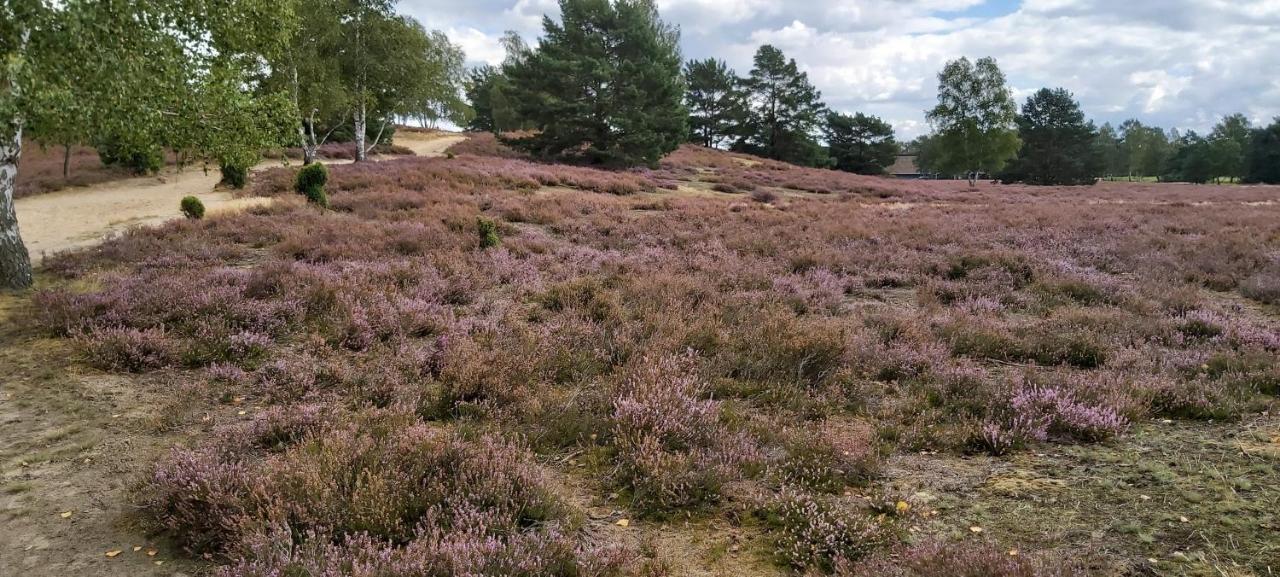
{"x": 15, "y": 262}
{"x": 66, "y": 161}
{"x": 360, "y": 128}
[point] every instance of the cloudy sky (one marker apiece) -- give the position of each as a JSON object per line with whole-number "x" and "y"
{"x": 1175, "y": 63}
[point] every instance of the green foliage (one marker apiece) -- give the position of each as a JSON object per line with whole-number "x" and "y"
{"x": 1107, "y": 147}
{"x": 860, "y": 143}
{"x": 1263, "y": 160}
{"x": 927, "y": 151}
{"x": 717, "y": 106}
{"x": 482, "y": 84}
{"x": 234, "y": 175}
{"x": 1230, "y": 140}
{"x": 786, "y": 111}
{"x": 1058, "y": 145}
{"x": 1191, "y": 160}
{"x": 192, "y": 207}
{"x": 310, "y": 183}
{"x": 603, "y": 85}
{"x": 1144, "y": 148}
{"x": 488, "y": 232}
{"x": 974, "y": 118}
{"x": 139, "y": 158}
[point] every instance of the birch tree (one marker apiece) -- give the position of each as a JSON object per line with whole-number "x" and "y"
{"x": 140, "y": 71}
{"x": 974, "y": 118}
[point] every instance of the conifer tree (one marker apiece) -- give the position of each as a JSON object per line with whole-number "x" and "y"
{"x": 786, "y": 111}
{"x": 604, "y": 85}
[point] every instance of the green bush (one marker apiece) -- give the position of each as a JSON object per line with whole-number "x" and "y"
{"x": 235, "y": 175}
{"x": 310, "y": 183}
{"x": 192, "y": 207}
{"x": 488, "y": 232}
{"x": 138, "y": 158}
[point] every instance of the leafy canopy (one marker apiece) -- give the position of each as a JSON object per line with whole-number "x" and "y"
{"x": 974, "y": 118}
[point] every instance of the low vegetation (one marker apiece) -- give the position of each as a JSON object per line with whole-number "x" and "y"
{"x": 425, "y": 398}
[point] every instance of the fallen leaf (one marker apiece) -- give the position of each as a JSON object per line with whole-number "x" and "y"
{"x": 113, "y": 552}
{"x": 65, "y": 514}
{"x": 623, "y": 523}
{"x": 903, "y": 507}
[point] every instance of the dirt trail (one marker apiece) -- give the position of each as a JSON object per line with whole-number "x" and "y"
{"x": 80, "y": 217}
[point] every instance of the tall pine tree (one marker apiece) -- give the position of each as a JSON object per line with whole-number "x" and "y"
{"x": 786, "y": 111}
{"x": 860, "y": 143}
{"x": 604, "y": 85}
{"x": 717, "y": 107}
{"x": 1058, "y": 144}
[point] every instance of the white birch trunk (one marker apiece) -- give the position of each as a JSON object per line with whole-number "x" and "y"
{"x": 15, "y": 262}
{"x": 360, "y": 122}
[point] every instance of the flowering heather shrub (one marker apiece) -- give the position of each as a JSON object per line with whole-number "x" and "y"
{"x": 435, "y": 554}
{"x": 901, "y": 304}
{"x": 1263, "y": 286}
{"x": 816, "y": 533}
{"x": 402, "y": 496}
{"x": 672, "y": 452}
{"x": 485, "y": 144}
{"x": 939, "y": 559}
{"x": 1040, "y": 413}
{"x": 128, "y": 349}
{"x": 836, "y": 455}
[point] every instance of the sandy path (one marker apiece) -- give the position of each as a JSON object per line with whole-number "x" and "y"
{"x": 80, "y": 217}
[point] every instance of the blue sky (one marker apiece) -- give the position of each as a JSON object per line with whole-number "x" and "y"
{"x": 1174, "y": 63}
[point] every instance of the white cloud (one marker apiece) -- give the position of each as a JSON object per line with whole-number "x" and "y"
{"x": 1174, "y": 63}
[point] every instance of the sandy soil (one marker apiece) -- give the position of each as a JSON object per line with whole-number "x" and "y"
{"x": 80, "y": 217}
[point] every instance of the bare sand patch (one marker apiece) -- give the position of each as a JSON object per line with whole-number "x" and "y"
{"x": 80, "y": 217}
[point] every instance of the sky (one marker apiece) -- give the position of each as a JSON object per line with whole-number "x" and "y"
{"x": 1172, "y": 63}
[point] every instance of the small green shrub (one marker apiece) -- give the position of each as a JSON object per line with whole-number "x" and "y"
{"x": 310, "y": 183}
{"x": 192, "y": 207}
{"x": 235, "y": 175}
{"x": 488, "y": 232}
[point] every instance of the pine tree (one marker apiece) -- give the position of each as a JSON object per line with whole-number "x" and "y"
{"x": 717, "y": 107}
{"x": 786, "y": 111}
{"x": 1058, "y": 144}
{"x": 482, "y": 82}
{"x": 1262, "y": 164}
{"x": 603, "y": 85}
{"x": 860, "y": 143}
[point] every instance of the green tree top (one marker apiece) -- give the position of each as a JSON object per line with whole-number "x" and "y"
{"x": 717, "y": 107}
{"x": 860, "y": 143}
{"x": 974, "y": 118}
{"x": 604, "y": 84}
{"x": 1058, "y": 144}
{"x": 786, "y": 110}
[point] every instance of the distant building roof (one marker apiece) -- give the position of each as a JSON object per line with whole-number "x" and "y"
{"x": 905, "y": 165}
